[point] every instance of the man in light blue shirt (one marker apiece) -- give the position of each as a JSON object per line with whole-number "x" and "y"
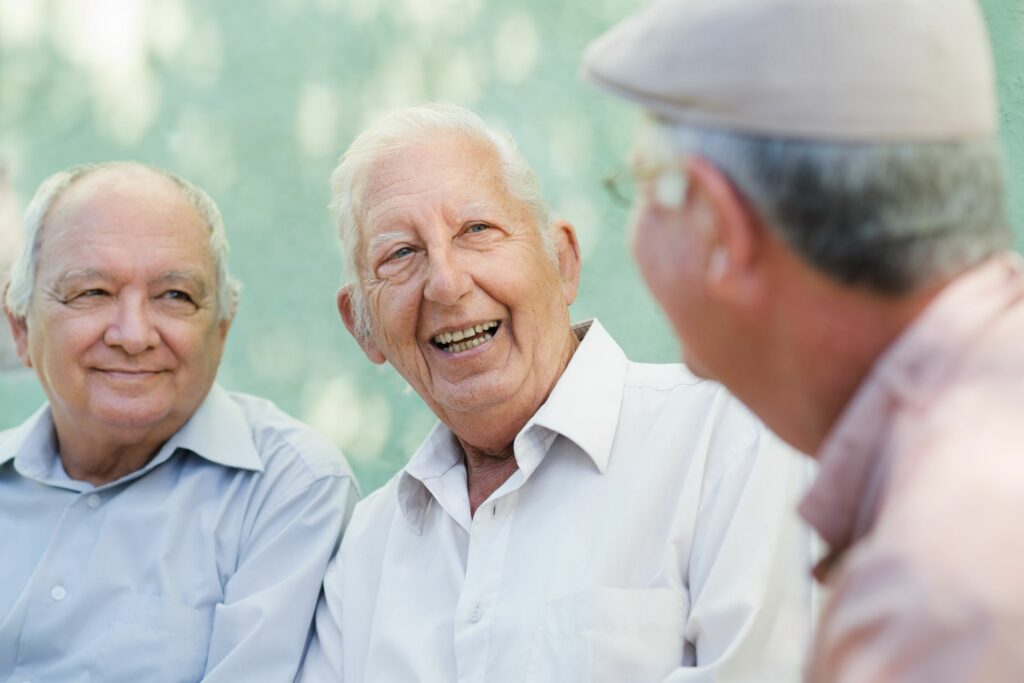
{"x": 152, "y": 525}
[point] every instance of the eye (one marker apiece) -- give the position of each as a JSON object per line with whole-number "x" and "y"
{"x": 478, "y": 227}
{"x": 177, "y": 295}
{"x": 399, "y": 253}
{"x": 85, "y": 295}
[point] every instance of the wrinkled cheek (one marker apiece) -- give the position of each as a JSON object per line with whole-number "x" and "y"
{"x": 654, "y": 255}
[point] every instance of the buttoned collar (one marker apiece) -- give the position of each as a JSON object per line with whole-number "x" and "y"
{"x": 843, "y": 501}
{"x": 582, "y": 407}
{"x": 217, "y": 431}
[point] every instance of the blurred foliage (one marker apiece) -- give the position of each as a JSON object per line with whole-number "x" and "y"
{"x": 256, "y": 100}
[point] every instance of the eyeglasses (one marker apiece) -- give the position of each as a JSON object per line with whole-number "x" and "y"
{"x": 669, "y": 185}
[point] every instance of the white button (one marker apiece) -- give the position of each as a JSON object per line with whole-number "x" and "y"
{"x": 58, "y": 593}
{"x": 93, "y": 501}
{"x": 475, "y": 615}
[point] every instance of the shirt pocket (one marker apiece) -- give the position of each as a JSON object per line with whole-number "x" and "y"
{"x": 153, "y": 638}
{"x": 609, "y": 635}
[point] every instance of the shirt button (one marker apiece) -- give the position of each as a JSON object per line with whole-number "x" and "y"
{"x": 93, "y": 501}
{"x": 58, "y": 593}
{"x": 475, "y": 615}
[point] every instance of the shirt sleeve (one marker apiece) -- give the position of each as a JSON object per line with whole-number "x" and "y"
{"x": 934, "y": 592}
{"x": 324, "y": 663}
{"x": 749, "y": 567}
{"x": 262, "y": 629}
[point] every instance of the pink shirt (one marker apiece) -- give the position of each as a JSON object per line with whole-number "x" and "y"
{"x": 920, "y": 497}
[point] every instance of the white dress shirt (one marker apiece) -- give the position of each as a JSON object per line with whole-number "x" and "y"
{"x": 649, "y": 534}
{"x": 204, "y": 564}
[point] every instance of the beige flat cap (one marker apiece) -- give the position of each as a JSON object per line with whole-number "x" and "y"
{"x": 843, "y": 70}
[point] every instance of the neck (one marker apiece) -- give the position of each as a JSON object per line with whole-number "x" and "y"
{"x": 824, "y": 340}
{"x": 101, "y": 460}
{"x": 487, "y": 436}
{"x": 486, "y": 472}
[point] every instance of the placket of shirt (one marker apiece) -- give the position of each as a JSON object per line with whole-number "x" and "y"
{"x": 485, "y": 569}
{"x": 56, "y": 591}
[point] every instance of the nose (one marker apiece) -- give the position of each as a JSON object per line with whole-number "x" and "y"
{"x": 447, "y": 278}
{"x": 132, "y": 329}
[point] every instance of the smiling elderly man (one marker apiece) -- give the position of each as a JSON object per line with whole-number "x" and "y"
{"x": 573, "y": 516}
{"x": 153, "y": 527}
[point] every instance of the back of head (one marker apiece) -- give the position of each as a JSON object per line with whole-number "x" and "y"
{"x": 862, "y": 131}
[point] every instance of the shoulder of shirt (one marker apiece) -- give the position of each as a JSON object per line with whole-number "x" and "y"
{"x": 738, "y": 429}
{"x": 368, "y": 528}
{"x": 282, "y": 441}
{"x": 666, "y": 377}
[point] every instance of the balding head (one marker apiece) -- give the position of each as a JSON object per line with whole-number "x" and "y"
{"x": 21, "y": 289}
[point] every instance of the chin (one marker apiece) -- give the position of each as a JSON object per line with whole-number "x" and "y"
{"x": 467, "y": 399}
{"x": 137, "y": 414}
{"x": 695, "y": 366}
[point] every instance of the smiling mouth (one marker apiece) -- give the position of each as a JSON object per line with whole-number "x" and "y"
{"x": 127, "y": 373}
{"x": 469, "y": 338}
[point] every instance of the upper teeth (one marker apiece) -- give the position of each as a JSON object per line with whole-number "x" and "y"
{"x": 459, "y": 335}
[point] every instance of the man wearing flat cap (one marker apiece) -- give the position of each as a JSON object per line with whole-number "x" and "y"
{"x": 823, "y": 221}
{"x": 573, "y": 516}
{"x": 153, "y": 526}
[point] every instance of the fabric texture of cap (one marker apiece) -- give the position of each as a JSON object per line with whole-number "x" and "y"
{"x": 842, "y": 70}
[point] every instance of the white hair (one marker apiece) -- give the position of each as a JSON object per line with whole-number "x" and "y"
{"x": 22, "y": 283}
{"x": 400, "y": 131}
{"x": 889, "y": 216}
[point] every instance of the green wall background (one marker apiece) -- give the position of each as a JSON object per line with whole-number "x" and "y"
{"x": 256, "y": 100}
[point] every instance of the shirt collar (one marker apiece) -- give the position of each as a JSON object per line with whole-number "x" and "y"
{"x": 583, "y": 407}
{"x": 842, "y": 502}
{"x": 217, "y": 431}
{"x": 33, "y": 440}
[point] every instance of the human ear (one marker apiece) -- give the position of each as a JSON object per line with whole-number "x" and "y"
{"x": 730, "y": 231}
{"x": 19, "y": 330}
{"x": 567, "y": 249}
{"x": 348, "y": 316}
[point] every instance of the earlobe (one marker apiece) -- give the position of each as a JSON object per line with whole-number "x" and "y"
{"x": 568, "y": 250}
{"x": 728, "y": 227}
{"x": 19, "y": 331}
{"x": 346, "y": 308}
{"x": 718, "y": 264}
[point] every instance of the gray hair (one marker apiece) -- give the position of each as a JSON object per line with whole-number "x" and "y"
{"x": 402, "y": 130}
{"x": 22, "y": 283}
{"x": 891, "y": 217}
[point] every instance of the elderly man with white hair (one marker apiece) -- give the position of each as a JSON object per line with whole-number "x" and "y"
{"x": 824, "y": 224}
{"x": 153, "y": 527}
{"x": 573, "y": 516}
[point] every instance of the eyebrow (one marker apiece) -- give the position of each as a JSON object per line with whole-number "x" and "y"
{"x": 383, "y": 238}
{"x": 71, "y": 276}
{"x": 475, "y": 209}
{"x": 192, "y": 277}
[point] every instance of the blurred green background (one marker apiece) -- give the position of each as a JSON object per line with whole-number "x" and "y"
{"x": 255, "y": 101}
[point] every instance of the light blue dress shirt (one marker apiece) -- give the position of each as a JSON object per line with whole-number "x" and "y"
{"x": 203, "y": 565}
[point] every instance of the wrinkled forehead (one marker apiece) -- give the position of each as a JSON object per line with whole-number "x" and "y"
{"x": 127, "y": 205}
{"x": 453, "y": 172}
